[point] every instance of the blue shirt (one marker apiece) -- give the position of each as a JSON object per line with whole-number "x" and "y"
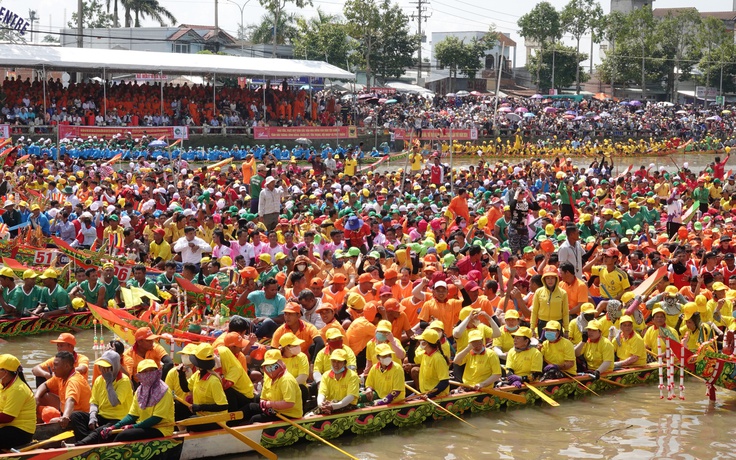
{"x": 269, "y": 308}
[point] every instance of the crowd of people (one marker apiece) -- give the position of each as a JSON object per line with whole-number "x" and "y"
{"x": 501, "y": 273}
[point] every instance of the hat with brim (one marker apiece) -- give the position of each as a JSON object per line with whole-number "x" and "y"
{"x": 271, "y": 357}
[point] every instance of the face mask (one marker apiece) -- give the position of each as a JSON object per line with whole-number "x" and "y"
{"x": 339, "y": 371}
{"x": 550, "y": 335}
{"x": 185, "y": 360}
{"x": 456, "y": 249}
{"x": 381, "y": 336}
{"x": 301, "y": 267}
{"x": 271, "y": 367}
{"x": 512, "y": 329}
{"x": 589, "y": 316}
{"x": 385, "y": 361}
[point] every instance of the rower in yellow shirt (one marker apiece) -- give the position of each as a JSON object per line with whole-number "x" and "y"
{"x": 557, "y": 351}
{"x": 280, "y": 395}
{"x": 482, "y": 366}
{"x": 385, "y": 379}
{"x": 596, "y": 349}
{"x": 654, "y": 333}
{"x": 339, "y": 389}
{"x": 17, "y": 405}
{"x": 504, "y": 343}
{"x": 434, "y": 370}
{"x": 629, "y": 346}
{"x": 208, "y": 395}
{"x": 523, "y": 361}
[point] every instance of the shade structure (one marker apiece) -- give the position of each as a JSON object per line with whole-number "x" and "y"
{"x": 81, "y": 59}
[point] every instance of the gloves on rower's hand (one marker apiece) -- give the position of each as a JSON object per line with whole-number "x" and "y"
{"x": 196, "y": 408}
{"x": 595, "y": 375}
{"x": 266, "y": 408}
{"x": 585, "y": 336}
{"x": 515, "y": 380}
{"x": 551, "y": 368}
{"x": 106, "y": 432}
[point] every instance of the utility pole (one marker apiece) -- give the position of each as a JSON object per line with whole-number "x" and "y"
{"x": 217, "y": 29}
{"x": 80, "y": 22}
{"x": 32, "y": 18}
{"x": 421, "y": 13}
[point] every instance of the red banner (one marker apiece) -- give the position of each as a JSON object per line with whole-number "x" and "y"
{"x": 309, "y": 132}
{"x": 441, "y": 134}
{"x": 107, "y": 132}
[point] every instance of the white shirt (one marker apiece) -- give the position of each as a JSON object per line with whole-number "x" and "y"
{"x": 191, "y": 255}
{"x": 269, "y": 201}
{"x": 572, "y": 254}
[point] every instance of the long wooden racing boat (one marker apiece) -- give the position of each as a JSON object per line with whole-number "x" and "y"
{"x": 192, "y": 446}
{"x": 32, "y": 325}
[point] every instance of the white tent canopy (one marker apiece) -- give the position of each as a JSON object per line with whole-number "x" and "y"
{"x": 409, "y": 88}
{"x": 76, "y": 59}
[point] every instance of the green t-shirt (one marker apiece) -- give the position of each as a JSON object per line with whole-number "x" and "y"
{"x": 255, "y": 186}
{"x": 90, "y": 295}
{"x": 55, "y": 300}
{"x": 110, "y": 289}
{"x": 502, "y": 224}
{"x": 22, "y": 302}
{"x": 149, "y": 285}
{"x": 162, "y": 279}
{"x": 628, "y": 222}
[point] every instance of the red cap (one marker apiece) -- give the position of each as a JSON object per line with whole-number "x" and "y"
{"x": 385, "y": 290}
{"x": 471, "y": 286}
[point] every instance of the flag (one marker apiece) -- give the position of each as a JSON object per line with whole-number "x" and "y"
{"x": 113, "y": 160}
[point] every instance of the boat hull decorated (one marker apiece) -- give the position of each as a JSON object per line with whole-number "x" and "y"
{"x": 192, "y": 446}
{"x": 33, "y": 325}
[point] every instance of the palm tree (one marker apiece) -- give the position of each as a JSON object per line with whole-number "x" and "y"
{"x": 115, "y": 17}
{"x": 263, "y": 33}
{"x": 146, "y": 8}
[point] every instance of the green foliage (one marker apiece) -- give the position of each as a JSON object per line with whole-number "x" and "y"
{"x": 541, "y": 24}
{"x": 275, "y": 9}
{"x": 262, "y": 33}
{"x": 462, "y": 57}
{"x": 323, "y": 37}
{"x": 143, "y": 9}
{"x": 579, "y": 17}
{"x": 94, "y": 16}
{"x": 50, "y": 39}
{"x": 566, "y": 66}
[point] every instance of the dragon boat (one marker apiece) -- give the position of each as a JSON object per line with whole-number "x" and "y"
{"x": 32, "y": 325}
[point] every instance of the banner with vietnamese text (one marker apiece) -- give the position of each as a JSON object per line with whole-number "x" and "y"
{"x": 309, "y": 132}
{"x": 107, "y": 132}
{"x": 435, "y": 134}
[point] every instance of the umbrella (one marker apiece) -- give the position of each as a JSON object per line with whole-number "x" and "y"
{"x": 529, "y": 115}
{"x": 725, "y": 112}
{"x": 570, "y": 112}
{"x": 157, "y": 143}
{"x": 681, "y": 112}
{"x": 462, "y": 93}
{"x": 475, "y": 93}
{"x": 569, "y": 117}
{"x": 513, "y": 117}
{"x": 303, "y": 140}
{"x": 365, "y": 96}
{"x": 450, "y": 95}
{"x": 537, "y": 96}
{"x": 521, "y": 110}
{"x": 550, "y": 110}
{"x": 623, "y": 103}
{"x": 506, "y": 104}
{"x": 579, "y": 117}
{"x": 590, "y": 114}
{"x": 391, "y": 101}
{"x": 666, "y": 104}
{"x": 639, "y": 112}
{"x": 605, "y": 115}
{"x": 635, "y": 103}
{"x": 504, "y": 109}
{"x": 306, "y": 87}
{"x": 714, "y": 118}
{"x": 382, "y": 100}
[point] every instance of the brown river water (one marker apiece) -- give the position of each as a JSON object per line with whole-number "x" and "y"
{"x": 625, "y": 424}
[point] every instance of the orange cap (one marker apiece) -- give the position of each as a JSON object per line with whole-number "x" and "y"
{"x": 369, "y": 311}
{"x": 145, "y": 333}
{"x": 249, "y": 272}
{"x": 339, "y": 279}
{"x": 390, "y": 274}
{"x": 233, "y": 339}
{"x": 392, "y": 305}
{"x": 66, "y": 337}
{"x": 317, "y": 282}
{"x": 281, "y": 278}
{"x": 293, "y": 307}
{"x": 365, "y": 278}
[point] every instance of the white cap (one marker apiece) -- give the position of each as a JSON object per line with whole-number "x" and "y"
{"x": 440, "y": 284}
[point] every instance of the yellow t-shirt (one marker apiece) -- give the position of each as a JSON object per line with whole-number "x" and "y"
{"x": 350, "y": 166}
{"x": 172, "y": 381}
{"x": 596, "y": 353}
{"x": 124, "y": 390}
{"x": 322, "y": 360}
{"x": 630, "y": 347}
{"x": 559, "y": 352}
{"x": 162, "y": 250}
{"x": 703, "y": 334}
{"x": 285, "y": 388}
{"x": 297, "y": 365}
{"x": 233, "y": 371}
{"x": 652, "y": 335}
{"x": 575, "y": 334}
{"x": 462, "y": 341}
{"x": 17, "y": 401}
{"x": 478, "y": 367}
{"x": 615, "y": 282}
{"x": 432, "y": 369}
{"x": 386, "y": 381}
{"x": 335, "y": 390}
{"x": 525, "y": 362}
{"x": 207, "y": 390}
{"x": 416, "y": 160}
{"x": 164, "y": 409}
{"x": 505, "y": 342}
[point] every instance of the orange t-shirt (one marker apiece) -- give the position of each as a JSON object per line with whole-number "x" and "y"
{"x": 75, "y": 387}
{"x": 248, "y": 170}
{"x": 400, "y": 325}
{"x": 576, "y": 293}
{"x": 448, "y": 312}
{"x": 335, "y": 298}
{"x": 79, "y": 360}
{"x": 412, "y": 309}
{"x": 488, "y": 306}
{"x": 307, "y": 332}
{"x": 335, "y": 324}
{"x": 360, "y": 332}
{"x": 131, "y": 358}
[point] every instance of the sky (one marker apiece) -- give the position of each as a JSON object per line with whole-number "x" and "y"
{"x": 446, "y": 15}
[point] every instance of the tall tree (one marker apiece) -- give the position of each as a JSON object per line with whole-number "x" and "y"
{"x": 678, "y": 43}
{"x": 542, "y": 25}
{"x": 263, "y": 32}
{"x": 364, "y": 22}
{"x": 567, "y": 68}
{"x": 115, "y": 16}
{"x": 713, "y": 39}
{"x": 396, "y": 43}
{"x": 323, "y": 37}
{"x": 577, "y": 18}
{"x": 94, "y": 16}
{"x": 143, "y": 9}
{"x": 276, "y": 8}
{"x": 462, "y": 57}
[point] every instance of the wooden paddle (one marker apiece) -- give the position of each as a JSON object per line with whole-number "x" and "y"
{"x": 437, "y": 405}
{"x": 314, "y": 435}
{"x": 241, "y": 437}
{"x": 614, "y": 383}
{"x": 580, "y": 383}
{"x": 492, "y": 391}
{"x": 59, "y": 437}
{"x": 542, "y": 395}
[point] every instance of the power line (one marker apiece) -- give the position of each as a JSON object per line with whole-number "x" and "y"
{"x": 475, "y": 13}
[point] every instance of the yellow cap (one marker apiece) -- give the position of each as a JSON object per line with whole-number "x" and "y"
{"x": 511, "y": 314}
{"x": 102, "y": 362}
{"x": 289, "y": 339}
{"x": 29, "y": 274}
{"x": 587, "y": 307}
{"x": 672, "y": 291}
{"x": 356, "y": 302}
{"x": 523, "y": 332}
{"x": 334, "y": 333}
{"x": 49, "y": 273}
{"x": 593, "y": 326}
{"x": 188, "y": 349}
{"x": 553, "y": 325}
{"x": 384, "y": 349}
{"x": 430, "y": 335}
{"x": 437, "y": 324}
{"x": 9, "y": 363}
{"x": 204, "y": 352}
{"x": 383, "y": 326}
{"x": 626, "y": 319}
{"x": 689, "y": 310}
{"x": 627, "y": 296}
{"x": 718, "y": 286}
{"x": 339, "y": 355}
{"x": 271, "y": 357}
{"x": 658, "y": 310}
{"x": 7, "y": 271}
{"x": 145, "y": 365}
{"x": 466, "y": 311}
{"x": 474, "y": 335}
